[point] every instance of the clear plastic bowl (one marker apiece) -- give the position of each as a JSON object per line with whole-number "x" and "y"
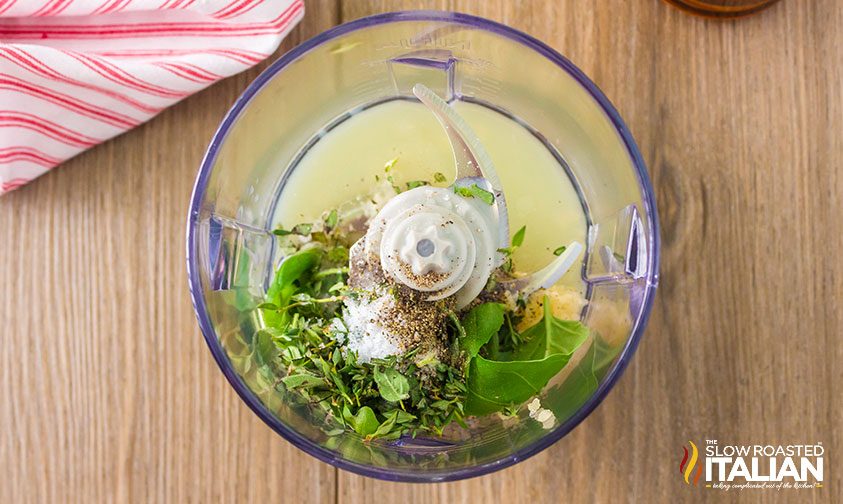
{"x": 231, "y": 255}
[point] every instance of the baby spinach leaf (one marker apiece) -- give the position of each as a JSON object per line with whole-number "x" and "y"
{"x": 284, "y": 284}
{"x": 294, "y": 267}
{"x": 364, "y": 422}
{"x": 550, "y": 336}
{"x": 480, "y": 324}
{"x": 577, "y": 388}
{"x": 494, "y": 385}
{"x": 392, "y": 385}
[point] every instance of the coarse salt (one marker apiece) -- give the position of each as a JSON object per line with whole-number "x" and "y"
{"x": 365, "y": 335}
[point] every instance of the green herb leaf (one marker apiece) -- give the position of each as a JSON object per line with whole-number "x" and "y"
{"x": 518, "y": 237}
{"x": 580, "y": 385}
{"x": 416, "y": 183}
{"x": 338, "y": 254}
{"x": 319, "y": 237}
{"x": 386, "y": 428}
{"x": 390, "y": 164}
{"x": 264, "y": 348}
{"x": 291, "y": 269}
{"x": 439, "y": 177}
{"x": 482, "y": 194}
{"x": 302, "y": 380}
{"x": 465, "y": 192}
{"x": 364, "y": 422}
{"x": 560, "y": 250}
{"x": 494, "y": 385}
{"x": 392, "y": 385}
{"x": 332, "y": 219}
{"x": 550, "y": 336}
{"x": 302, "y": 229}
{"x": 284, "y": 286}
{"x": 281, "y": 232}
{"x": 481, "y": 323}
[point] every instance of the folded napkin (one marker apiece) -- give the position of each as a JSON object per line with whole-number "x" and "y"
{"x": 74, "y": 73}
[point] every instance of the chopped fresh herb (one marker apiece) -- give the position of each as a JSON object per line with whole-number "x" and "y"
{"x": 439, "y": 178}
{"x": 392, "y": 385}
{"x": 482, "y": 194}
{"x": 487, "y": 366}
{"x": 332, "y": 220}
{"x": 518, "y": 237}
{"x": 389, "y": 165}
{"x": 465, "y": 192}
{"x": 475, "y": 191}
{"x": 300, "y": 229}
{"x": 416, "y": 183}
{"x": 559, "y": 251}
{"x": 516, "y": 241}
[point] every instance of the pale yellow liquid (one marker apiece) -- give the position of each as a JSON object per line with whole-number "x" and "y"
{"x": 343, "y": 164}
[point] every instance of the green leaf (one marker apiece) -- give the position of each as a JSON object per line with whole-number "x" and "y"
{"x": 364, "y": 422}
{"x": 385, "y": 428}
{"x": 577, "y": 388}
{"x": 465, "y": 192}
{"x": 439, "y": 177}
{"x": 338, "y": 254}
{"x": 392, "y": 385}
{"x": 283, "y": 285}
{"x": 550, "y": 336}
{"x": 494, "y": 385}
{"x": 264, "y": 348}
{"x": 518, "y": 237}
{"x": 332, "y": 219}
{"x": 302, "y": 380}
{"x": 559, "y": 251}
{"x": 480, "y": 324}
{"x": 281, "y": 232}
{"x": 302, "y": 229}
{"x": 416, "y": 183}
{"x": 482, "y": 194}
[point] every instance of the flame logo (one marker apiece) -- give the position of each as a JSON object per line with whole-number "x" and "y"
{"x": 686, "y": 467}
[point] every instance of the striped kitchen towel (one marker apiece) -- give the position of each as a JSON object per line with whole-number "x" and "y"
{"x": 74, "y": 73}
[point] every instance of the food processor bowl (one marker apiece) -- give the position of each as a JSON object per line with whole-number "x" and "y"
{"x": 232, "y": 254}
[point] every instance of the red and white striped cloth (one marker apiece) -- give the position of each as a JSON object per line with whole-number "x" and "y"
{"x": 74, "y": 73}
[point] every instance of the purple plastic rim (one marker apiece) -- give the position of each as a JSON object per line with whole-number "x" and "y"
{"x": 219, "y": 353}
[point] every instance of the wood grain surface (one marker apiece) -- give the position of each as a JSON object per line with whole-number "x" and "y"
{"x": 108, "y": 393}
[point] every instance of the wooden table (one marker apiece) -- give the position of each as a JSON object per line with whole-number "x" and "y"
{"x": 107, "y": 391}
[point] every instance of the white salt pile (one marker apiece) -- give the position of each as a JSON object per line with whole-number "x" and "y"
{"x": 365, "y": 335}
